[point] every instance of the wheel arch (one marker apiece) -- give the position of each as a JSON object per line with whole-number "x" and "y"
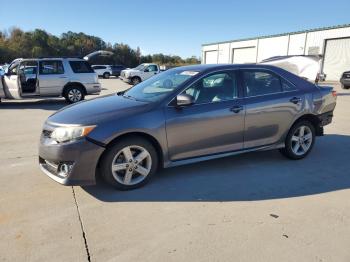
{"x": 70, "y": 84}
{"x": 137, "y": 77}
{"x": 143, "y": 135}
{"x": 313, "y": 119}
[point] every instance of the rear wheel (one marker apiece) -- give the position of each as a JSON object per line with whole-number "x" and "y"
{"x": 299, "y": 141}
{"x": 106, "y": 75}
{"x": 74, "y": 94}
{"x": 129, "y": 164}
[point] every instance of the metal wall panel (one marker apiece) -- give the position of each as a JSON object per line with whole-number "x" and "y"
{"x": 317, "y": 39}
{"x": 224, "y": 53}
{"x": 211, "y": 57}
{"x": 337, "y": 55}
{"x": 274, "y": 46}
{"x": 296, "y": 44}
{"x": 244, "y": 55}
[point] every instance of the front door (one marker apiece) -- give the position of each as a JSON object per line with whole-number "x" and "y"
{"x": 149, "y": 71}
{"x": 11, "y": 82}
{"x": 51, "y": 78}
{"x": 213, "y": 124}
{"x": 271, "y": 105}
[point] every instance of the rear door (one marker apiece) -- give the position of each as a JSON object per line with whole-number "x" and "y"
{"x": 51, "y": 78}
{"x": 271, "y": 103}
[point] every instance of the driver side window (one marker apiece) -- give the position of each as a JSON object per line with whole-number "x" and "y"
{"x": 13, "y": 70}
{"x": 214, "y": 88}
{"x": 151, "y": 68}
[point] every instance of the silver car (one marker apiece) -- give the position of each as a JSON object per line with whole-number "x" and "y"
{"x": 180, "y": 116}
{"x": 71, "y": 78}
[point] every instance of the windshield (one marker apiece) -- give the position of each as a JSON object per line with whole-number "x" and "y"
{"x": 159, "y": 86}
{"x": 140, "y": 67}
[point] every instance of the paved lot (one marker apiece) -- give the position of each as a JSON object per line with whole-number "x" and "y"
{"x": 253, "y": 207}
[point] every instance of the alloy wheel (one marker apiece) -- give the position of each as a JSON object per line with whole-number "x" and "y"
{"x": 74, "y": 95}
{"x": 131, "y": 165}
{"x": 301, "y": 140}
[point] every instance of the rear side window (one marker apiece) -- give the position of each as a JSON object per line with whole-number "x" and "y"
{"x": 81, "y": 67}
{"x": 287, "y": 86}
{"x": 258, "y": 83}
{"x": 51, "y": 67}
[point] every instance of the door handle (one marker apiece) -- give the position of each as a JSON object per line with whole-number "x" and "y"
{"x": 236, "y": 109}
{"x": 295, "y": 100}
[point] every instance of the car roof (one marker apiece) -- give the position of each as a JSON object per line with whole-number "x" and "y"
{"x": 52, "y": 58}
{"x": 215, "y": 67}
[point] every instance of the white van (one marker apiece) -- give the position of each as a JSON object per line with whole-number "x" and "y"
{"x": 71, "y": 78}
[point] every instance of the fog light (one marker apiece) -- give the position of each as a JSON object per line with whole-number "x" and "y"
{"x": 64, "y": 169}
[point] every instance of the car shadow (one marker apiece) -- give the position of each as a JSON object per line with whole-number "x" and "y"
{"x": 47, "y": 104}
{"x": 343, "y": 94}
{"x": 247, "y": 177}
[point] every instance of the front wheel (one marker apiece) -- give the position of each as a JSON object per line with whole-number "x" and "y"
{"x": 74, "y": 94}
{"x": 129, "y": 164}
{"x": 299, "y": 141}
{"x": 135, "y": 80}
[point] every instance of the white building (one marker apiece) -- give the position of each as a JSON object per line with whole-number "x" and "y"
{"x": 333, "y": 43}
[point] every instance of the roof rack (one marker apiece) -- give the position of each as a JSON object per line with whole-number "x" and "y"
{"x": 64, "y": 57}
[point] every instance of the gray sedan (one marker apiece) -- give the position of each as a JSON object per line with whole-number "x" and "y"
{"x": 180, "y": 116}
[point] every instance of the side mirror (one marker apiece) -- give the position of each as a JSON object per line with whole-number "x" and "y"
{"x": 146, "y": 70}
{"x": 184, "y": 100}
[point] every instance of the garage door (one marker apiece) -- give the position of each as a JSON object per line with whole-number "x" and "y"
{"x": 244, "y": 55}
{"x": 211, "y": 57}
{"x": 337, "y": 58}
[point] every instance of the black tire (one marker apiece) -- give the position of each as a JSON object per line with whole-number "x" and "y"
{"x": 289, "y": 151}
{"x": 109, "y": 158}
{"x": 74, "y": 94}
{"x": 344, "y": 86}
{"x": 106, "y": 75}
{"x": 135, "y": 80}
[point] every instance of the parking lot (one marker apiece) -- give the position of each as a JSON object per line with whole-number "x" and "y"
{"x": 252, "y": 207}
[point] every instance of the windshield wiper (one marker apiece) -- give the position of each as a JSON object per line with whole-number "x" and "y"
{"x": 129, "y": 97}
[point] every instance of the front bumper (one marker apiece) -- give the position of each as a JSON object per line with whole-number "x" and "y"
{"x": 127, "y": 80}
{"x": 82, "y": 155}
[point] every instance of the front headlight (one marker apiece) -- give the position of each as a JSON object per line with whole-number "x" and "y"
{"x": 65, "y": 134}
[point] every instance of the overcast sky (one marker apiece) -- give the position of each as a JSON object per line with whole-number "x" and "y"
{"x": 172, "y": 27}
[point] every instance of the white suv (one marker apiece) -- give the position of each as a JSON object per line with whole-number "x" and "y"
{"x": 103, "y": 70}
{"x": 72, "y": 78}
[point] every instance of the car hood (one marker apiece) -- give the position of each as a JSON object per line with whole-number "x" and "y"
{"x": 130, "y": 70}
{"x": 98, "y": 110}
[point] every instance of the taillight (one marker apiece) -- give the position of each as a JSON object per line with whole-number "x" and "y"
{"x": 334, "y": 93}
